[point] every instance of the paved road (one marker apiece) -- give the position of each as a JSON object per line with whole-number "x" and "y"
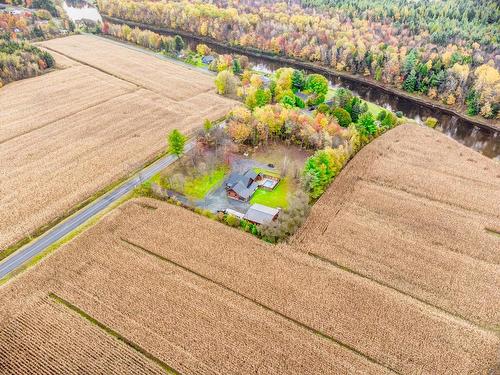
{"x": 33, "y": 248}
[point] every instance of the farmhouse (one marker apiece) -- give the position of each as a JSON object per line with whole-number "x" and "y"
{"x": 260, "y": 214}
{"x": 243, "y": 186}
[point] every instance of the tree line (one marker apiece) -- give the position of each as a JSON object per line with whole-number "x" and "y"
{"x": 388, "y": 44}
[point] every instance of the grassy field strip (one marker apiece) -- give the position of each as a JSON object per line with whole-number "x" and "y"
{"x": 493, "y": 232}
{"x": 111, "y": 332}
{"x": 305, "y": 326}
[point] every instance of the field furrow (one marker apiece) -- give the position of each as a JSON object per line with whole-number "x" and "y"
{"x": 357, "y": 312}
{"x": 142, "y": 69}
{"x": 414, "y": 217}
{"x": 48, "y": 338}
{"x": 73, "y": 132}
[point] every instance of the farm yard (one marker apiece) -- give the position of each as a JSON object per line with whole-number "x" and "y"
{"x": 70, "y": 133}
{"x": 202, "y": 177}
{"x": 288, "y": 308}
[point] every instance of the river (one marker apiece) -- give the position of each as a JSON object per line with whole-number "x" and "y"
{"x": 484, "y": 140}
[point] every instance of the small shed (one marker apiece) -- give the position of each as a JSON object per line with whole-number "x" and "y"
{"x": 230, "y": 211}
{"x": 260, "y": 214}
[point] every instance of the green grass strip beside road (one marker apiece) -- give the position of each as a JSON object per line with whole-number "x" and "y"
{"x": 37, "y": 258}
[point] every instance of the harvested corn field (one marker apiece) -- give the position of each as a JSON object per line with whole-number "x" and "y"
{"x": 68, "y": 134}
{"x": 417, "y": 212}
{"x": 69, "y": 340}
{"x": 192, "y": 324}
{"x": 204, "y": 298}
{"x": 125, "y": 63}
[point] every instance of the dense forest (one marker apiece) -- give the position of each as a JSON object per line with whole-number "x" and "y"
{"x": 448, "y": 51}
{"x": 20, "y": 60}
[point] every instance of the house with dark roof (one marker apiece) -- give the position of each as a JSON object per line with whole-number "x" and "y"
{"x": 260, "y": 214}
{"x": 242, "y": 186}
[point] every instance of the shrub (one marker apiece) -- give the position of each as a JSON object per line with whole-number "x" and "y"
{"x": 431, "y": 122}
{"x": 317, "y": 84}
{"x": 323, "y": 108}
{"x": 226, "y": 83}
{"x": 366, "y": 125}
{"x": 342, "y": 116}
{"x": 299, "y": 102}
{"x": 232, "y": 221}
{"x": 381, "y": 115}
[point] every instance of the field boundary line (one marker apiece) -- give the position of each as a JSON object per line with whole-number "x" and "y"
{"x": 67, "y": 116}
{"x": 267, "y": 308}
{"x": 456, "y": 316}
{"x": 422, "y": 196}
{"x": 169, "y": 369}
{"x": 141, "y": 86}
{"x": 95, "y": 67}
{"x": 492, "y": 231}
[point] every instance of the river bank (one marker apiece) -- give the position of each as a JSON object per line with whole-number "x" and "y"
{"x": 480, "y": 135}
{"x": 313, "y": 68}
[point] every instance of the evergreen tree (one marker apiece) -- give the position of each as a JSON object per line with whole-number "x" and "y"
{"x": 179, "y": 43}
{"x": 410, "y": 82}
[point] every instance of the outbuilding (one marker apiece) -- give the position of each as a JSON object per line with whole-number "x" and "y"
{"x": 260, "y": 214}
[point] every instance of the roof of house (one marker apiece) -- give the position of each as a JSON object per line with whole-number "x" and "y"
{"x": 243, "y": 191}
{"x": 235, "y": 213}
{"x": 246, "y": 179}
{"x": 233, "y": 179}
{"x": 260, "y": 214}
{"x": 207, "y": 59}
{"x": 250, "y": 174}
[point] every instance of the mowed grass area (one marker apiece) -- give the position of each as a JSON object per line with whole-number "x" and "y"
{"x": 200, "y": 186}
{"x": 278, "y": 197}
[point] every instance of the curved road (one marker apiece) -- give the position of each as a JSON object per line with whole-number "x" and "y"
{"x": 27, "y": 252}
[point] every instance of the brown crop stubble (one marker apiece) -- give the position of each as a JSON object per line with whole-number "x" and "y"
{"x": 68, "y": 134}
{"x": 48, "y": 338}
{"x": 142, "y": 69}
{"x": 190, "y": 323}
{"x": 410, "y": 212}
{"x": 202, "y": 297}
{"x": 391, "y": 328}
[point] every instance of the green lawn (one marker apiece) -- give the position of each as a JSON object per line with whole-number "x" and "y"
{"x": 373, "y": 108}
{"x": 200, "y": 186}
{"x": 266, "y": 171}
{"x": 273, "y": 198}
